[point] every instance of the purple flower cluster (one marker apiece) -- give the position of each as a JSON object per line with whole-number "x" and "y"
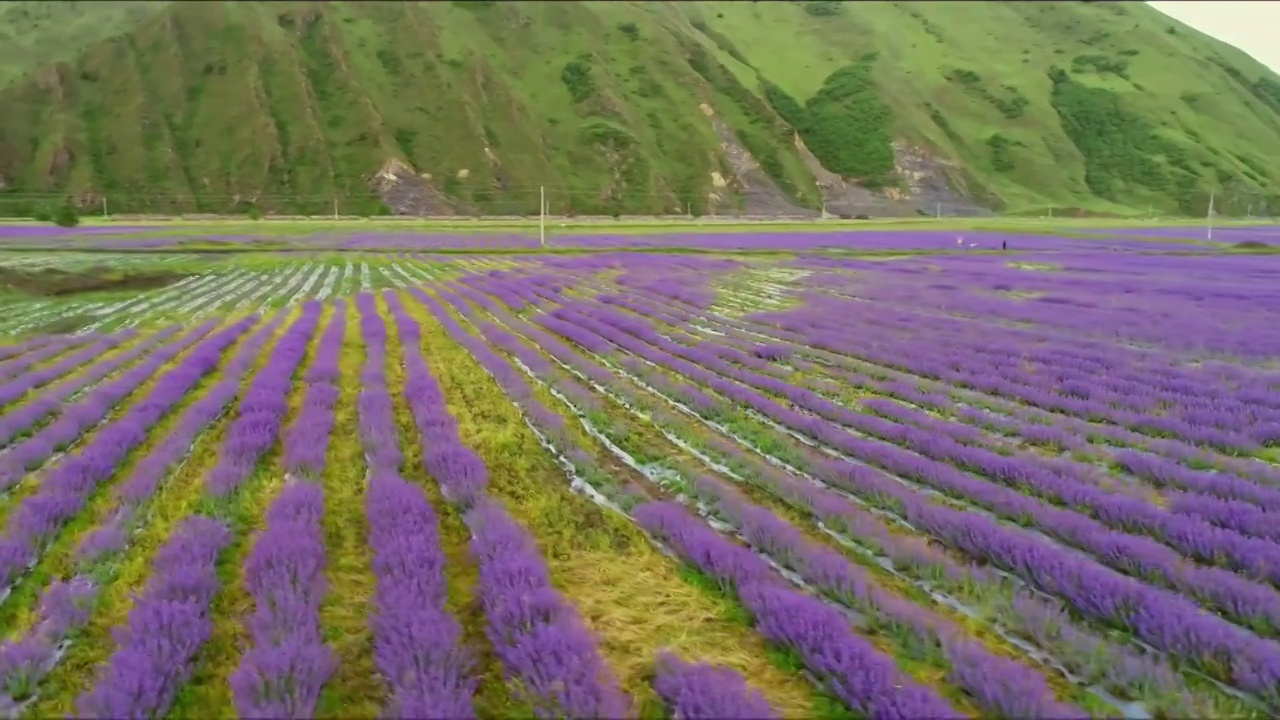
{"x": 64, "y": 606}
{"x": 1002, "y": 687}
{"x": 697, "y": 691}
{"x": 1066, "y": 432}
{"x": 928, "y": 437}
{"x": 15, "y": 366}
{"x": 21, "y": 385}
{"x": 264, "y": 406}
{"x": 863, "y": 678}
{"x": 167, "y": 626}
{"x": 91, "y": 410}
{"x": 541, "y": 642}
{"x": 1132, "y": 675}
{"x": 417, "y": 642}
{"x": 1164, "y": 620}
{"x": 282, "y": 674}
{"x": 1201, "y": 487}
{"x": 1068, "y": 486}
{"x": 1141, "y": 397}
{"x": 147, "y": 473}
{"x": 536, "y": 634}
{"x": 515, "y": 385}
{"x": 549, "y": 424}
{"x": 26, "y": 416}
{"x": 80, "y": 234}
{"x": 307, "y": 440}
{"x": 26, "y": 346}
{"x": 68, "y": 485}
{"x": 374, "y": 406}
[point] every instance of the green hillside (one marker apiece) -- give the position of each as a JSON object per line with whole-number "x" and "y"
{"x": 628, "y": 107}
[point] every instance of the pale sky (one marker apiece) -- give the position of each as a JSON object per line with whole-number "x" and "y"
{"x": 1250, "y": 26}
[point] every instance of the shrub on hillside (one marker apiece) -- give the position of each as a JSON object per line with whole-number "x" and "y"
{"x": 824, "y": 8}
{"x": 66, "y": 215}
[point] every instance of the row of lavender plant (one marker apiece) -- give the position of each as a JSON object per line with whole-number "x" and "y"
{"x": 864, "y": 679}
{"x": 1221, "y": 497}
{"x": 1202, "y": 503}
{"x": 1245, "y": 543}
{"x": 1128, "y": 378}
{"x": 968, "y": 367}
{"x": 1170, "y": 624}
{"x": 21, "y": 385}
{"x": 999, "y": 685}
{"x": 289, "y": 663}
{"x": 282, "y": 674}
{"x": 35, "y": 654}
{"x": 699, "y": 690}
{"x": 89, "y": 411}
{"x": 838, "y": 354}
{"x": 261, "y": 412}
{"x": 543, "y": 645}
{"x": 148, "y": 473}
{"x": 64, "y": 606}
{"x": 306, "y": 441}
{"x": 68, "y": 485}
{"x": 1131, "y": 676}
{"x": 1099, "y": 291}
{"x": 731, "y": 692}
{"x": 1090, "y": 383}
{"x": 23, "y": 418}
{"x": 417, "y": 641}
{"x": 1247, "y": 601}
{"x": 26, "y": 346}
{"x": 1180, "y": 386}
{"x": 682, "y": 685}
{"x": 1059, "y": 482}
{"x": 888, "y": 613}
{"x": 170, "y": 623}
{"x": 13, "y": 367}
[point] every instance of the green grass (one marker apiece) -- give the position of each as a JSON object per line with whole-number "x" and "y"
{"x": 288, "y": 107}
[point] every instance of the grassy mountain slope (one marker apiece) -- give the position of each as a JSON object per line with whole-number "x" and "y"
{"x": 627, "y": 107}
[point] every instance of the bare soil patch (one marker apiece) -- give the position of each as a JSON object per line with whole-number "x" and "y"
{"x": 62, "y": 325}
{"x": 61, "y": 283}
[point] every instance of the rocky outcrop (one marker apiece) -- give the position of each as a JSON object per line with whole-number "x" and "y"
{"x": 406, "y": 192}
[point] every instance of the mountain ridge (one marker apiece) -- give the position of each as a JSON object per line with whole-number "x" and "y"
{"x": 630, "y": 108}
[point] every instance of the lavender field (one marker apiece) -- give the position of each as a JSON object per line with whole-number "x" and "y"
{"x": 622, "y": 483}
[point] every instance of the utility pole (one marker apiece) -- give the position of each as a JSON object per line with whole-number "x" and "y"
{"x": 104, "y": 207}
{"x": 1209, "y": 219}
{"x": 542, "y": 216}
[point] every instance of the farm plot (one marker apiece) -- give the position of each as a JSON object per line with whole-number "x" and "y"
{"x": 624, "y": 485}
{"x": 50, "y": 293}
